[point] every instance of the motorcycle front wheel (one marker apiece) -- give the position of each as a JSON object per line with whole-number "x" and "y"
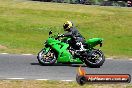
{"x": 48, "y": 58}
{"x": 96, "y": 60}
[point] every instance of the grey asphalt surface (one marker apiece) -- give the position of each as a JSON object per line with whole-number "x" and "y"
{"x": 24, "y": 66}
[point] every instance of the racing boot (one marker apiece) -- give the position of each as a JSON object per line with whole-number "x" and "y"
{"x": 81, "y": 48}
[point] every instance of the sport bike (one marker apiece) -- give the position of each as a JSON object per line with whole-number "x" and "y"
{"x": 64, "y": 50}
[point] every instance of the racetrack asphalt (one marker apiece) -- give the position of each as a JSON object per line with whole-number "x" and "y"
{"x": 13, "y": 66}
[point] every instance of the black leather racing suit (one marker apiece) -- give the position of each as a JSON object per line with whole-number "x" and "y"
{"x": 75, "y": 36}
{"x": 74, "y": 33}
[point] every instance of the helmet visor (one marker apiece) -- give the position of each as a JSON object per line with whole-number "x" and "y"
{"x": 65, "y": 26}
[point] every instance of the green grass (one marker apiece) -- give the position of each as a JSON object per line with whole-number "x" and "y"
{"x": 24, "y": 25}
{"x": 55, "y": 84}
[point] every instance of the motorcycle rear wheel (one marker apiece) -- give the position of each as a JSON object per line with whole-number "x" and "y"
{"x": 97, "y": 60}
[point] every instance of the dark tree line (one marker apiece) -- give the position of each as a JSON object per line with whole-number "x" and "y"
{"x": 94, "y": 2}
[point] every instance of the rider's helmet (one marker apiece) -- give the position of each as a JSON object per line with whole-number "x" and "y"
{"x": 67, "y": 25}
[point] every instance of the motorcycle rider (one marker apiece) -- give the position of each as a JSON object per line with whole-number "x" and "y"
{"x": 72, "y": 32}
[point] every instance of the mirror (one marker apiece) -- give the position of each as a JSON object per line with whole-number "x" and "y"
{"x": 50, "y": 32}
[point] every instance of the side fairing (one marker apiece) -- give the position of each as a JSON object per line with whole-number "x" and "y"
{"x": 64, "y": 56}
{"x": 52, "y": 41}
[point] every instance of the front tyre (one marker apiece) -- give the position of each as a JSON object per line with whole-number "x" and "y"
{"x": 96, "y": 60}
{"x": 48, "y": 58}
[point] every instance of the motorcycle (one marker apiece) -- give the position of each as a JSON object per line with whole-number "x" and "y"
{"x": 58, "y": 50}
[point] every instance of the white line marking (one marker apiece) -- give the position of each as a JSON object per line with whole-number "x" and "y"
{"x": 109, "y": 58}
{"x": 67, "y": 80}
{"x": 15, "y": 78}
{"x": 27, "y": 54}
{"x": 130, "y": 59}
{"x": 4, "y": 53}
{"x": 41, "y": 79}
{"x": 36, "y": 79}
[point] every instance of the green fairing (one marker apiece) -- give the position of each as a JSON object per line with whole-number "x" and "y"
{"x": 93, "y": 42}
{"x": 64, "y": 56}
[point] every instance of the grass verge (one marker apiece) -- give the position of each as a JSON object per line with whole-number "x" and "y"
{"x": 24, "y": 25}
{"x": 55, "y": 84}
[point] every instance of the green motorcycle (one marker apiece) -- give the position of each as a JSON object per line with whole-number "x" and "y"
{"x": 58, "y": 50}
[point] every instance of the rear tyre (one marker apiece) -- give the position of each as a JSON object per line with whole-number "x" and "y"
{"x": 48, "y": 58}
{"x": 96, "y": 60}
